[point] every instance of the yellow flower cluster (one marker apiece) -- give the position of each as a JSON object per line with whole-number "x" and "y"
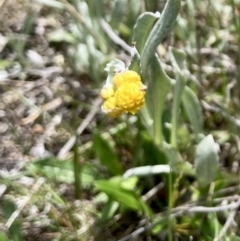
{"x": 125, "y": 94}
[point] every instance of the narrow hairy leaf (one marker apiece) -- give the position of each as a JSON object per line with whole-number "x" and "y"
{"x": 143, "y": 28}
{"x": 159, "y": 31}
{"x": 158, "y": 82}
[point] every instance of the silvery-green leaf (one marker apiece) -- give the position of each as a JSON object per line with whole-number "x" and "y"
{"x": 193, "y": 109}
{"x": 119, "y": 10}
{"x": 159, "y": 31}
{"x": 206, "y": 160}
{"x": 60, "y": 35}
{"x": 143, "y": 27}
{"x": 146, "y": 171}
{"x": 178, "y": 57}
{"x": 158, "y": 88}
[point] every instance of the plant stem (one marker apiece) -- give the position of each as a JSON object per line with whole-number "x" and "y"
{"x": 77, "y": 170}
{"x": 170, "y": 205}
{"x": 237, "y": 26}
{"x": 157, "y": 129}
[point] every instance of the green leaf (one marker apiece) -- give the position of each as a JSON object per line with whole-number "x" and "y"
{"x": 62, "y": 171}
{"x": 158, "y": 82}
{"x": 15, "y": 230}
{"x": 158, "y": 89}
{"x": 206, "y": 160}
{"x": 193, "y": 109}
{"x": 3, "y": 237}
{"x": 118, "y": 12}
{"x": 179, "y": 58}
{"x": 234, "y": 238}
{"x": 8, "y": 208}
{"x": 54, "y": 169}
{"x": 159, "y": 31}
{"x": 126, "y": 197}
{"x": 60, "y": 35}
{"x": 143, "y": 28}
{"x": 109, "y": 210}
{"x": 106, "y": 155}
{"x": 148, "y": 153}
{"x": 176, "y": 59}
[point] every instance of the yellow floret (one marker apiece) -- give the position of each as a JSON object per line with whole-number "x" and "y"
{"x": 107, "y": 91}
{"x": 110, "y": 108}
{"x": 130, "y": 97}
{"x": 124, "y": 77}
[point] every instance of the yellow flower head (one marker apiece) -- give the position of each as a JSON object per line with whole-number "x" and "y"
{"x": 109, "y": 107}
{"x": 130, "y": 96}
{"x": 123, "y": 92}
{"x": 107, "y": 91}
{"x": 126, "y": 76}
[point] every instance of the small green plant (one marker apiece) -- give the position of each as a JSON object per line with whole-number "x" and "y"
{"x": 152, "y": 153}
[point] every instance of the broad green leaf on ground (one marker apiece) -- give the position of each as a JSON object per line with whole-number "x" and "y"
{"x": 106, "y": 155}
{"x": 211, "y": 226}
{"x": 128, "y": 198}
{"x": 8, "y": 207}
{"x": 206, "y": 160}
{"x": 15, "y": 229}
{"x": 234, "y": 238}
{"x": 62, "y": 171}
{"x": 193, "y": 109}
{"x": 109, "y": 210}
{"x": 3, "y": 237}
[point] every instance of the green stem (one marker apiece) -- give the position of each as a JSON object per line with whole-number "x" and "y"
{"x": 77, "y": 170}
{"x": 170, "y": 205}
{"x": 178, "y": 90}
{"x": 237, "y": 26}
{"x": 157, "y": 127}
{"x": 174, "y": 126}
